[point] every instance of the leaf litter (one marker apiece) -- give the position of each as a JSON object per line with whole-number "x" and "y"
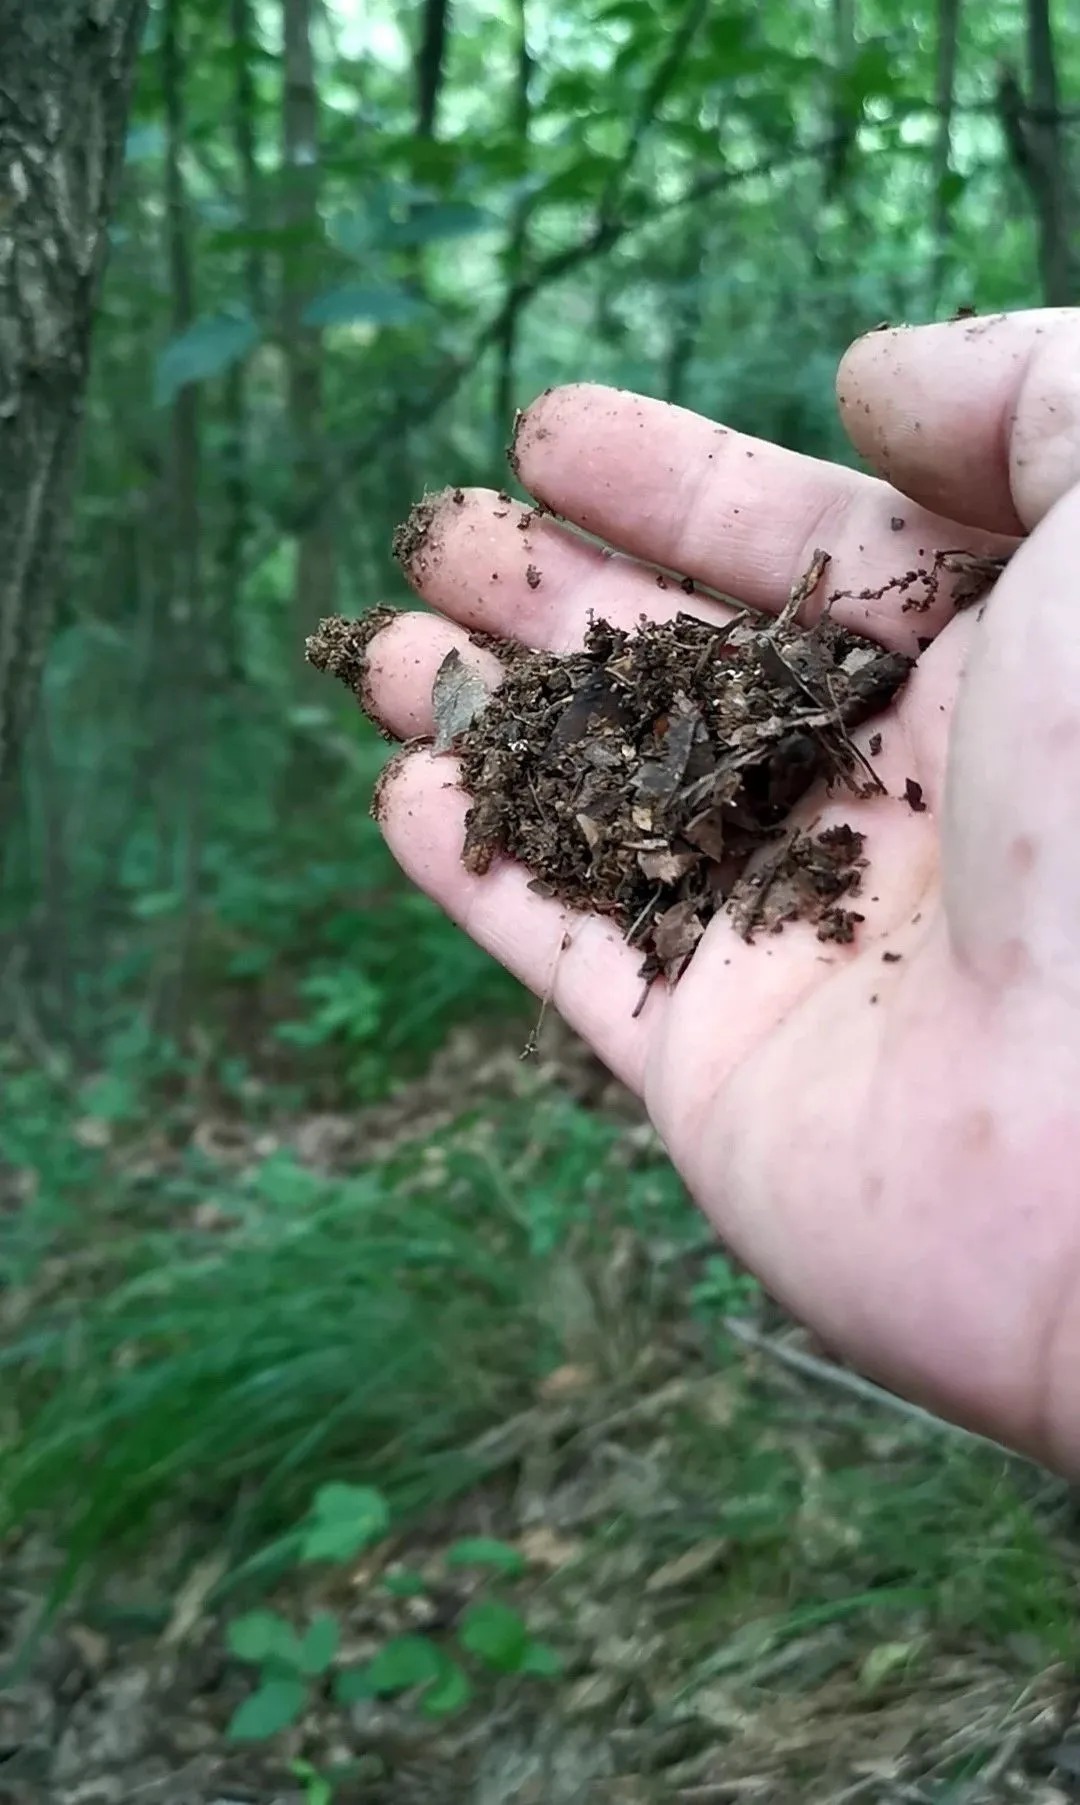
{"x": 651, "y": 775}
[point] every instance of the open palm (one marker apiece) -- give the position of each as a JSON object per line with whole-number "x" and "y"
{"x": 888, "y": 1133}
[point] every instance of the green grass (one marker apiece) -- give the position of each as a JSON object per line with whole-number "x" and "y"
{"x": 369, "y": 1325}
{"x": 374, "y": 1326}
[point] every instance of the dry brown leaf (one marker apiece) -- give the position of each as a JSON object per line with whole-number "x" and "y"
{"x": 666, "y": 866}
{"x": 677, "y": 932}
{"x": 459, "y": 695}
{"x": 544, "y": 1547}
{"x": 569, "y": 1381}
{"x": 716, "y": 1401}
{"x": 692, "y": 1564}
{"x": 92, "y": 1646}
{"x": 190, "y": 1602}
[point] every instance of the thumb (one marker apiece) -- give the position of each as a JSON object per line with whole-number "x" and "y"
{"x": 977, "y": 419}
{"x": 1011, "y": 849}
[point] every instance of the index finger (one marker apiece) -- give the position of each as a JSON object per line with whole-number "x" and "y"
{"x": 739, "y": 514}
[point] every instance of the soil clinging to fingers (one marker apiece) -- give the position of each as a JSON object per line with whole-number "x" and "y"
{"x": 650, "y": 775}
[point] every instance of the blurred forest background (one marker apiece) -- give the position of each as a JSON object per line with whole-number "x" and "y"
{"x": 289, "y": 1234}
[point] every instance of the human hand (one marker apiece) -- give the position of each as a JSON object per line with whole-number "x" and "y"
{"x": 887, "y": 1133}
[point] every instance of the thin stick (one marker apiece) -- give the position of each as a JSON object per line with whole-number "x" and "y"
{"x": 830, "y": 1374}
{"x": 803, "y": 589}
{"x": 644, "y": 915}
{"x": 529, "y": 1050}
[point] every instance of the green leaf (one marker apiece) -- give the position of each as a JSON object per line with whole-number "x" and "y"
{"x": 951, "y": 186}
{"x": 405, "y": 1661}
{"x": 347, "y": 1519}
{"x": 304, "y": 1034}
{"x": 444, "y": 219}
{"x": 580, "y": 181}
{"x": 152, "y": 904}
{"x": 341, "y": 1502}
{"x": 319, "y": 1643}
{"x": 404, "y": 1583}
{"x": 264, "y": 1636}
{"x": 318, "y": 1790}
{"x": 449, "y": 1693}
{"x": 873, "y": 74}
{"x": 332, "y": 1542}
{"x": 496, "y": 1634}
{"x": 485, "y": 1551}
{"x": 355, "y": 304}
{"x": 351, "y": 1685}
{"x": 208, "y": 348}
{"x": 277, "y": 1704}
{"x": 111, "y": 1098}
{"x": 543, "y": 1660}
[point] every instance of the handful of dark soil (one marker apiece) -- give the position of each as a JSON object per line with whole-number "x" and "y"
{"x": 649, "y": 776}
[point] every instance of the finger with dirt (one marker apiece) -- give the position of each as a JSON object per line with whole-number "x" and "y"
{"x": 979, "y": 418}
{"x": 736, "y": 513}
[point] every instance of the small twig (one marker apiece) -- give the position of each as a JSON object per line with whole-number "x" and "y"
{"x": 529, "y": 1050}
{"x": 803, "y": 589}
{"x": 718, "y": 1792}
{"x": 851, "y": 746}
{"x": 829, "y": 1373}
{"x": 999, "y": 1763}
{"x": 644, "y": 915}
{"x": 858, "y": 1790}
{"x": 644, "y": 997}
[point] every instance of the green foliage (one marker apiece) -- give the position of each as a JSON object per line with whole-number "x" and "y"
{"x": 485, "y": 1551}
{"x": 496, "y": 1634}
{"x": 206, "y": 349}
{"x": 402, "y": 1663}
{"x": 353, "y": 304}
{"x": 344, "y": 1520}
{"x": 723, "y": 1292}
{"x": 276, "y": 1704}
{"x": 397, "y": 1312}
{"x": 425, "y": 1668}
{"x": 264, "y": 1638}
{"x": 319, "y": 1644}
{"x": 318, "y": 1788}
{"x": 449, "y": 1693}
{"x": 345, "y": 1006}
{"x": 404, "y": 1583}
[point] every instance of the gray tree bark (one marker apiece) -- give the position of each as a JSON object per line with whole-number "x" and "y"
{"x": 1034, "y": 127}
{"x": 314, "y": 575}
{"x": 66, "y": 68}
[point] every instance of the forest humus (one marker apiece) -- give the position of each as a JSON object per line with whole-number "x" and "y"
{"x": 650, "y": 775}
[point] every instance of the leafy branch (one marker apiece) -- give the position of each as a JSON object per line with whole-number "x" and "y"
{"x": 602, "y": 235}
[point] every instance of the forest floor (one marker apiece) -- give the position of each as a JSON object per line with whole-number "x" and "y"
{"x": 764, "y": 1583}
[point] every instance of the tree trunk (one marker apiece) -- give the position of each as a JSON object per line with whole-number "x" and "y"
{"x": 945, "y": 85}
{"x": 429, "y": 65}
{"x": 238, "y": 522}
{"x": 186, "y": 629}
{"x": 1049, "y": 154}
{"x": 517, "y": 243}
{"x": 684, "y": 312}
{"x": 185, "y": 598}
{"x": 1037, "y": 142}
{"x": 67, "y": 70}
{"x": 314, "y": 571}
{"x": 844, "y": 123}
